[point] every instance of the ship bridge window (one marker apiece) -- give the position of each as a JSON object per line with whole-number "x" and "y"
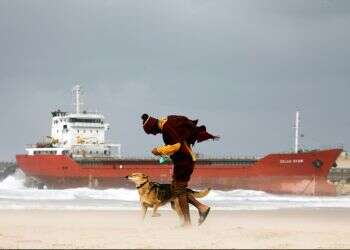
{"x": 86, "y": 120}
{"x": 45, "y": 152}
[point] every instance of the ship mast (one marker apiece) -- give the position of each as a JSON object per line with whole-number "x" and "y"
{"x": 78, "y": 103}
{"x": 297, "y": 125}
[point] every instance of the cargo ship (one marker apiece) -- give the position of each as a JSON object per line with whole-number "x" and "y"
{"x": 76, "y": 155}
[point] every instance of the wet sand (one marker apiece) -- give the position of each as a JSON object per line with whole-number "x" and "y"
{"x": 288, "y": 228}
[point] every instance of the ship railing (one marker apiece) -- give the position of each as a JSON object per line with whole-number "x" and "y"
{"x": 239, "y": 161}
{"x": 321, "y": 147}
{"x": 37, "y": 145}
{"x": 156, "y": 158}
{"x": 89, "y": 112}
{"x": 112, "y": 157}
{"x": 31, "y": 146}
{"x": 304, "y": 149}
{"x": 228, "y": 157}
{"x": 331, "y": 146}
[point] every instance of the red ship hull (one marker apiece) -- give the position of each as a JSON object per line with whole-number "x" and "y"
{"x": 303, "y": 173}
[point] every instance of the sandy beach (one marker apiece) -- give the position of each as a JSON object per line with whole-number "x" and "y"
{"x": 287, "y": 228}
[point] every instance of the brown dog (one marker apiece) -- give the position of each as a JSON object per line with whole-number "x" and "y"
{"x": 154, "y": 195}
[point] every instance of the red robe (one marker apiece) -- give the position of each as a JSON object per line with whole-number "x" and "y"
{"x": 180, "y": 129}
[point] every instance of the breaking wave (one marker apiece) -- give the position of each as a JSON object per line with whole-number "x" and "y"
{"x": 15, "y": 195}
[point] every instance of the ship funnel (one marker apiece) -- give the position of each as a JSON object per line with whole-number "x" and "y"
{"x": 78, "y": 103}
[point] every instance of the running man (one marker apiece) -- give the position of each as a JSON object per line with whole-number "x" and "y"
{"x": 179, "y": 135}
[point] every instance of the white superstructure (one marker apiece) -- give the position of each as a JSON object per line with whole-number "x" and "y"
{"x": 79, "y": 134}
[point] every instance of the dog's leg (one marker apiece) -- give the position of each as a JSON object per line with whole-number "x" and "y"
{"x": 144, "y": 211}
{"x": 155, "y": 214}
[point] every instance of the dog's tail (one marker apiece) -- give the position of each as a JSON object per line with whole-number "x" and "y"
{"x": 200, "y": 194}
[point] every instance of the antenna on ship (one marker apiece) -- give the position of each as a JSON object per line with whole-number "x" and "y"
{"x": 78, "y": 103}
{"x": 297, "y": 125}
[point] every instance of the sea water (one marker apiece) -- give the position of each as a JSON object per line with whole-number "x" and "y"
{"x": 14, "y": 195}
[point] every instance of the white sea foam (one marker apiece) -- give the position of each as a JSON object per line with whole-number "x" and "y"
{"x": 14, "y": 195}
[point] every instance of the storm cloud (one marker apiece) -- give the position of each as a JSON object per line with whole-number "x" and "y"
{"x": 242, "y": 67}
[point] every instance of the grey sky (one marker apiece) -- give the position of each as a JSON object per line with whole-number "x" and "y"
{"x": 241, "y": 67}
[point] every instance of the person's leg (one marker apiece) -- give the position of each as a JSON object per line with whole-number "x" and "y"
{"x": 203, "y": 209}
{"x": 176, "y": 207}
{"x": 179, "y": 191}
{"x": 181, "y": 176}
{"x": 183, "y": 202}
{"x": 200, "y": 206}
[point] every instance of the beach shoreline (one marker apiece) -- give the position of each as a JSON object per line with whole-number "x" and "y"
{"x": 282, "y": 228}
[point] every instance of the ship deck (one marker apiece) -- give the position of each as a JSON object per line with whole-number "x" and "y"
{"x": 154, "y": 161}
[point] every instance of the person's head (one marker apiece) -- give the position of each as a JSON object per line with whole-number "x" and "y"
{"x": 150, "y": 124}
